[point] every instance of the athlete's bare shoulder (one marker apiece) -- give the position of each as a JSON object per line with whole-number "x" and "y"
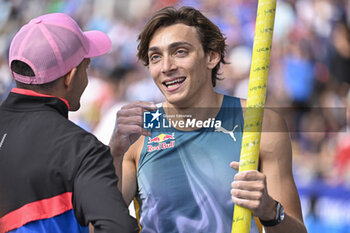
{"x": 274, "y": 133}
{"x": 134, "y": 152}
{"x": 275, "y": 139}
{"x": 243, "y": 102}
{"x": 243, "y": 105}
{"x": 272, "y": 120}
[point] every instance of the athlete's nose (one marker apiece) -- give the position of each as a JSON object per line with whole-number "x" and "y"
{"x": 168, "y": 64}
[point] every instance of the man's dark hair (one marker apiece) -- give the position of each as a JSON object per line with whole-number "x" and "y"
{"x": 24, "y": 69}
{"x": 209, "y": 34}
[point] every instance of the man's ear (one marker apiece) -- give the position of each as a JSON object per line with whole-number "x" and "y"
{"x": 68, "y": 78}
{"x": 213, "y": 59}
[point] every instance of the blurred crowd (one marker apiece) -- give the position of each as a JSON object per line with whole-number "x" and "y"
{"x": 309, "y": 79}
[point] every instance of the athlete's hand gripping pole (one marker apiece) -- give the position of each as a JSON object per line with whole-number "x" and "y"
{"x": 255, "y": 102}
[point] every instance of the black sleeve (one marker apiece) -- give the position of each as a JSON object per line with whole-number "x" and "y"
{"x": 96, "y": 198}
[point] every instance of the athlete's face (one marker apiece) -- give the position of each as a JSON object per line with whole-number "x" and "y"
{"x": 178, "y": 64}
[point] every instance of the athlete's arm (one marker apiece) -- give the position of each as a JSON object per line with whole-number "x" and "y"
{"x": 129, "y": 171}
{"x": 128, "y": 128}
{"x": 276, "y": 164}
{"x": 259, "y": 190}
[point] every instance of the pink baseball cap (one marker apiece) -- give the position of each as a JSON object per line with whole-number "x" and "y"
{"x": 52, "y": 45}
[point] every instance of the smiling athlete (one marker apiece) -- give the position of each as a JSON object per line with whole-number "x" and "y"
{"x": 185, "y": 184}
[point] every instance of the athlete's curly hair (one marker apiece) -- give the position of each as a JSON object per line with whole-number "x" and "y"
{"x": 209, "y": 34}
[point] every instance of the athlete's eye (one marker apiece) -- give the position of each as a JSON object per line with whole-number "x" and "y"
{"x": 181, "y": 52}
{"x": 154, "y": 58}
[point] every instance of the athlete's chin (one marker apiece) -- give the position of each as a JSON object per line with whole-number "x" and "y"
{"x": 177, "y": 100}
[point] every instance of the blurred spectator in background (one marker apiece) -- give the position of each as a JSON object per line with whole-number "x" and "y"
{"x": 340, "y": 54}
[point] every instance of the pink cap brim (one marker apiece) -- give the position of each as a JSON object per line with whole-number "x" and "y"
{"x": 99, "y": 43}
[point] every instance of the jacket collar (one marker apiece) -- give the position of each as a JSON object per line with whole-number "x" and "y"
{"x": 28, "y": 100}
{"x": 33, "y": 93}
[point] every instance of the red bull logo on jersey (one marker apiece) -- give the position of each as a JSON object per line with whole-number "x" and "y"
{"x": 160, "y": 142}
{"x": 161, "y": 138}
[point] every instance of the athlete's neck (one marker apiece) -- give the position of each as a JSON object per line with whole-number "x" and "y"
{"x": 201, "y": 110}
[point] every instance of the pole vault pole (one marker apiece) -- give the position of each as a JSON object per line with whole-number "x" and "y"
{"x": 255, "y": 102}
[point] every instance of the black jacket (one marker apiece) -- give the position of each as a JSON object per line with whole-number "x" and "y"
{"x": 46, "y": 157}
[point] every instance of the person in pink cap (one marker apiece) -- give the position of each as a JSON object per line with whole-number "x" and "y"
{"x": 54, "y": 176}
